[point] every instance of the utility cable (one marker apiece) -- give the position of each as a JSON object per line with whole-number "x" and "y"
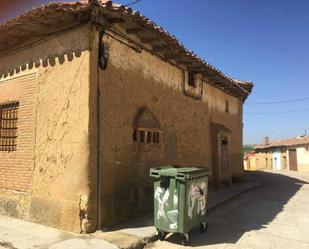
{"x": 283, "y": 112}
{"x": 278, "y": 102}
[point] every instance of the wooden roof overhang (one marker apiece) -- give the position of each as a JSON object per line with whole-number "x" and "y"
{"x": 49, "y": 19}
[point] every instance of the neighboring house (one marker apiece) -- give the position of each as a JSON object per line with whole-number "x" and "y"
{"x": 249, "y": 160}
{"x": 92, "y": 95}
{"x": 291, "y": 154}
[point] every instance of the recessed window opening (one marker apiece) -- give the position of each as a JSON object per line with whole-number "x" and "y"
{"x": 142, "y": 136}
{"x": 146, "y": 127}
{"x": 135, "y": 135}
{"x": 224, "y": 142}
{"x": 191, "y": 79}
{"x": 8, "y": 126}
{"x": 227, "y": 107}
{"x": 156, "y": 137}
{"x": 149, "y": 135}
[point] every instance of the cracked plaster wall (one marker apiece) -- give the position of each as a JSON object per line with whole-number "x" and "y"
{"x": 135, "y": 80}
{"x": 59, "y": 142}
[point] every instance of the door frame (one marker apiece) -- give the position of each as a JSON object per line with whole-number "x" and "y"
{"x": 218, "y": 132}
{"x": 294, "y": 167}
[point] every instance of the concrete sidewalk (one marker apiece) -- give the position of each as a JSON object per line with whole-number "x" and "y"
{"x": 139, "y": 232}
{"x": 20, "y": 234}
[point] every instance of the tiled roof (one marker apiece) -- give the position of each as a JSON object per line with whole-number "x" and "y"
{"x": 295, "y": 141}
{"x": 56, "y": 16}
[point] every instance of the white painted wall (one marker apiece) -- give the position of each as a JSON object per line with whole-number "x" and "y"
{"x": 303, "y": 158}
{"x": 277, "y": 159}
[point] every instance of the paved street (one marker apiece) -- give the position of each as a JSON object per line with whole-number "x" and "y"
{"x": 275, "y": 215}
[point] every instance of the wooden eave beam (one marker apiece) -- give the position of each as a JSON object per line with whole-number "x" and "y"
{"x": 116, "y": 20}
{"x": 13, "y": 36}
{"x": 185, "y": 62}
{"x": 173, "y": 57}
{"x": 134, "y": 31}
{"x": 160, "y": 48}
{"x": 194, "y": 69}
{"x": 13, "y": 32}
{"x": 149, "y": 40}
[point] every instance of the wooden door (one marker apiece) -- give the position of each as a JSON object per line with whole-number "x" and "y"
{"x": 293, "y": 159}
{"x": 224, "y": 156}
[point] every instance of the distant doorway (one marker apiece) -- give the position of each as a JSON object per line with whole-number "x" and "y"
{"x": 293, "y": 159}
{"x": 225, "y": 175}
{"x": 224, "y": 155}
{"x": 284, "y": 162}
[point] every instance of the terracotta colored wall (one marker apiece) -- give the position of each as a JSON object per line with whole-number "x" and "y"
{"x": 260, "y": 160}
{"x": 135, "y": 80}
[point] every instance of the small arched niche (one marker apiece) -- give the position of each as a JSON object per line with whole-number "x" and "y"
{"x": 146, "y": 128}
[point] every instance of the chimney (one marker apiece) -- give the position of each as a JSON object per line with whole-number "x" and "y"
{"x": 266, "y": 140}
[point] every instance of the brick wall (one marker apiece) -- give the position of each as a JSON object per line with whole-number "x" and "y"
{"x": 16, "y": 167}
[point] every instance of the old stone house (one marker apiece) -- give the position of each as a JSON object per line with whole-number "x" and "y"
{"x": 286, "y": 154}
{"x": 94, "y": 94}
{"x": 249, "y": 160}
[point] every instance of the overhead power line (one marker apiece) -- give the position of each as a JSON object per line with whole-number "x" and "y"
{"x": 277, "y": 102}
{"x": 132, "y": 3}
{"x": 281, "y": 112}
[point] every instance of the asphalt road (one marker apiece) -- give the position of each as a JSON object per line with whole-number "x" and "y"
{"x": 274, "y": 215}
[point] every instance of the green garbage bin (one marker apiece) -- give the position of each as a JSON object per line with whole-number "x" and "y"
{"x": 180, "y": 199}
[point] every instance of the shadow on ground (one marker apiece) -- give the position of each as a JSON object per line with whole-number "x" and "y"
{"x": 251, "y": 211}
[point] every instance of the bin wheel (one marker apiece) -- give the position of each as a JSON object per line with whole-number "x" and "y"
{"x": 185, "y": 239}
{"x": 161, "y": 235}
{"x": 203, "y": 227}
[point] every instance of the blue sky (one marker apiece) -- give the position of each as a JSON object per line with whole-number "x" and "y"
{"x": 265, "y": 41}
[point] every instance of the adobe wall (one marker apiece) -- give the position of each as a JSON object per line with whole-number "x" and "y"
{"x": 43, "y": 181}
{"x": 284, "y": 159}
{"x": 302, "y": 159}
{"x": 260, "y": 160}
{"x": 135, "y": 80}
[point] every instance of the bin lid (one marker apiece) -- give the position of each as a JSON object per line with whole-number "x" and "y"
{"x": 178, "y": 172}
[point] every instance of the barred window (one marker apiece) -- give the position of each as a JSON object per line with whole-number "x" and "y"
{"x": 146, "y": 136}
{"x": 8, "y": 126}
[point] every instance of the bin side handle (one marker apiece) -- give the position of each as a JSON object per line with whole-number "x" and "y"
{"x": 154, "y": 174}
{"x": 180, "y": 177}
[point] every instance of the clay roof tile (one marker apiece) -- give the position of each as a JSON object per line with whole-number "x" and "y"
{"x": 240, "y": 88}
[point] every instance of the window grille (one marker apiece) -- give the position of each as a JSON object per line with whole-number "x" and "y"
{"x": 8, "y": 126}
{"x": 146, "y": 136}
